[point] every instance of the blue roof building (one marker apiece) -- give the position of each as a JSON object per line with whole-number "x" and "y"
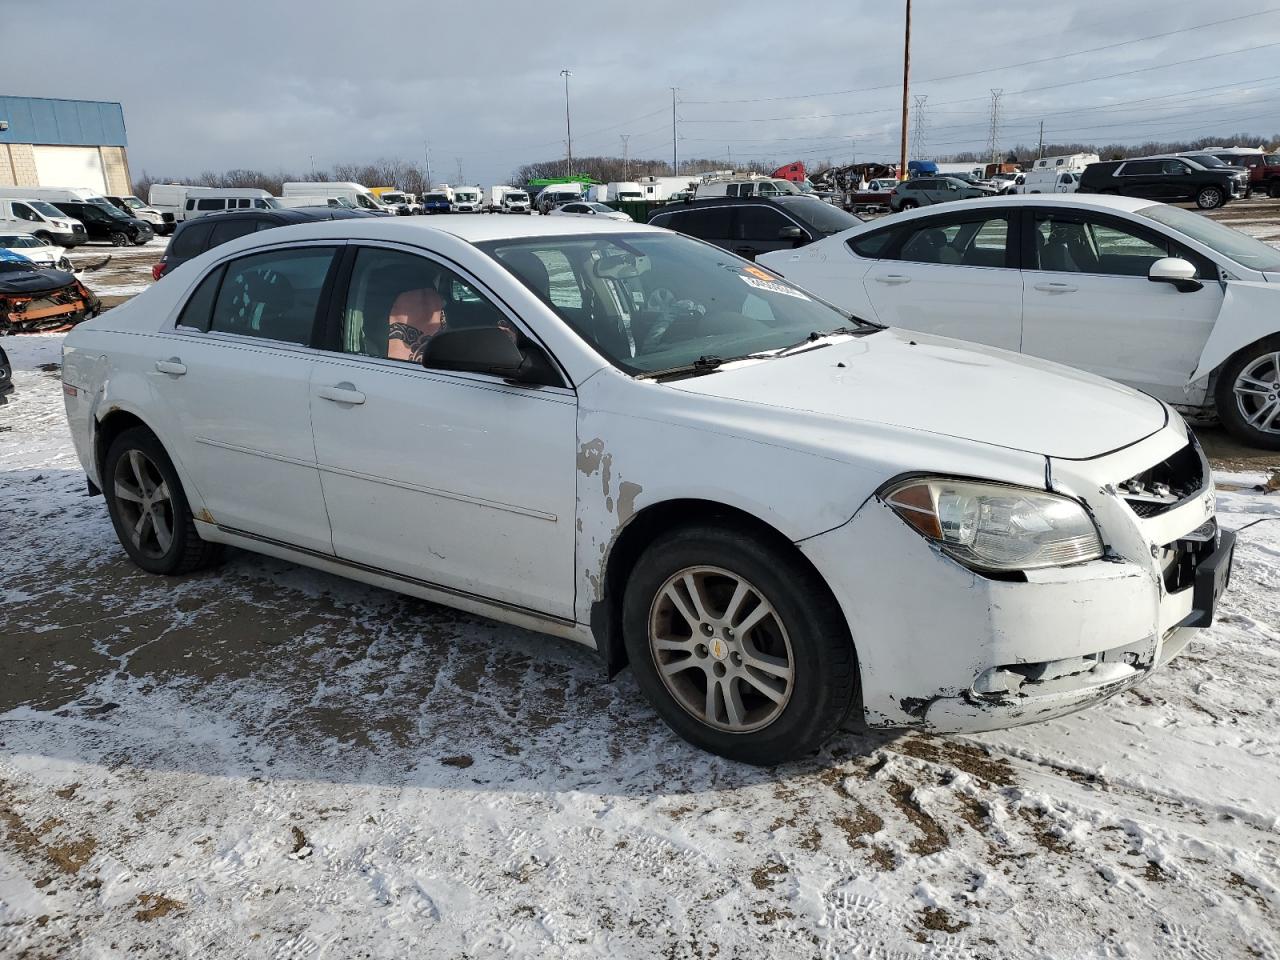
{"x": 63, "y": 143}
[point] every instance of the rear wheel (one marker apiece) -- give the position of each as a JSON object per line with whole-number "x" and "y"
{"x": 739, "y": 647}
{"x": 908, "y": 205}
{"x": 1248, "y": 394}
{"x": 149, "y": 509}
{"x": 1273, "y": 189}
{"x": 1209, "y": 198}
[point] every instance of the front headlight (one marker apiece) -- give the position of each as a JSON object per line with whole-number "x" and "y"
{"x": 988, "y": 526}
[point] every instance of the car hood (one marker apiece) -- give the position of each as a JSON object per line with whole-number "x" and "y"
{"x": 936, "y": 385}
{"x": 36, "y": 280}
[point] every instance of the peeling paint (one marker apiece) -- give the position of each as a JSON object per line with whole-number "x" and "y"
{"x": 606, "y": 474}
{"x": 589, "y": 456}
{"x": 608, "y": 504}
{"x": 205, "y": 516}
{"x": 627, "y": 493}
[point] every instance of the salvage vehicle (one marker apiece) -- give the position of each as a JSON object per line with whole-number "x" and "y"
{"x": 926, "y": 191}
{"x": 6, "y": 377}
{"x": 1166, "y": 178}
{"x": 875, "y": 196}
{"x": 105, "y": 222}
{"x": 36, "y": 250}
{"x": 689, "y": 464}
{"x": 35, "y": 299}
{"x": 1154, "y": 296}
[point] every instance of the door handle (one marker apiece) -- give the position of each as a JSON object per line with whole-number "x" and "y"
{"x": 173, "y": 367}
{"x": 892, "y": 278}
{"x": 1057, "y": 287}
{"x": 341, "y": 393}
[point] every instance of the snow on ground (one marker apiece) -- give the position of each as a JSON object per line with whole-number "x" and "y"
{"x": 264, "y": 761}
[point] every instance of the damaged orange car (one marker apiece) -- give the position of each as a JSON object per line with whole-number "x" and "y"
{"x": 34, "y": 298}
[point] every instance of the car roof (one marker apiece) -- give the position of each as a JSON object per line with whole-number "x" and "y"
{"x": 470, "y": 229}
{"x": 1087, "y": 201}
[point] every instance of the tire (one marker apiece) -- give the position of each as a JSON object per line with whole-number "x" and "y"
{"x": 1240, "y": 400}
{"x": 1273, "y": 189}
{"x": 802, "y": 627}
{"x": 137, "y": 463}
{"x": 908, "y": 205}
{"x": 119, "y": 238}
{"x": 1209, "y": 198}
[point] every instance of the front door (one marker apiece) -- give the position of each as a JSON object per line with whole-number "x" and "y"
{"x": 1088, "y": 302}
{"x": 757, "y": 229}
{"x": 950, "y": 276}
{"x": 237, "y": 377}
{"x": 458, "y": 480}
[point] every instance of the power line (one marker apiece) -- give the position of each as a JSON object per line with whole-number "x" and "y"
{"x": 1007, "y": 66}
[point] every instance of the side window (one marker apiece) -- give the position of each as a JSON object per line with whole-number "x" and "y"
{"x": 759, "y": 223}
{"x": 273, "y": 295}
{"x": 1139, "y": 168}
{"x": 871, "y": 246}
{"x": 191, "y": 204}
{"x": 1077, "y": 246}
{"x": 1175, "y": 167}
{"x": 227, "y": 230}
{"x": 23, "y": 212}
{"x": 396, "y": 302}
{"x": 211, "y": 203}
{"x": 973, "y": 243}
{"x": 731, "y": 190}
{"x": 199, "y": 308}
{"x": 711, "y": 223}
{"x": 191, "y": 241}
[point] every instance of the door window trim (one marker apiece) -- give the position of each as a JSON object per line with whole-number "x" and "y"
{"x": 1012, "y": 242}
{"x": 322, "y": 304}
{"x": 1206, "y": 269}
{"x": 329, "y": 339}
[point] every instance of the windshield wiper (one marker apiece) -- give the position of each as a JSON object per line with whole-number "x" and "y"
{"x": 811, "y": 341}
{"x": 703, "y": 365}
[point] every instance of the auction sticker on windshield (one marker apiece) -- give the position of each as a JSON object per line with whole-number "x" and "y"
{"x": 755, "y": 277}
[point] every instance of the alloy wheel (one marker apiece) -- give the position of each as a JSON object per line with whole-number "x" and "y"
{"x": 1257, "y": 393}
{"x": 144, "y": 504}
{"x": 721, "y": 649}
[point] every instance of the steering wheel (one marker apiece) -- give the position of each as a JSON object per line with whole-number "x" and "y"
{"x": 660, "y": 300}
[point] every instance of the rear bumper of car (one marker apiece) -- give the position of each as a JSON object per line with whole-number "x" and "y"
{"x": 943, "y": 648}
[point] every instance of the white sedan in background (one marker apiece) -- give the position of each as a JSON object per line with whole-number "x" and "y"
{"x": 1154, "y": 296}
{"x": 40, "y": 252}
{"x": 589, "y": 208}
{"x": 638, "y": 441}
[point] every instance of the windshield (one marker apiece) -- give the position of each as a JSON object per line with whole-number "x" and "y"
{"x": 517, "y": 197}
{"x": 600, "y": 207}
{"x": 1207, "y": 160}
{"x": 436, "y": 198}
{"x": 1233, "y": 244}
{"x": 44, "y": 209}
{"x": 20, "y": 240}
{"x": 651, "y": 302}
{"x": 134, "y": 202}
{"x": 393, "y": 198}
{"x": 822, "y": 216}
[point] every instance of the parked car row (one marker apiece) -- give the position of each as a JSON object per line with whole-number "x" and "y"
{"x": 69, "y": 217}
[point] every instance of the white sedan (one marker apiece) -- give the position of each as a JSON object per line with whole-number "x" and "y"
{"x": 1154, "y": 296}
{"x": 779, "y": 516}
{"x": 40, "y": 252}
{"x": 588, "y": 208}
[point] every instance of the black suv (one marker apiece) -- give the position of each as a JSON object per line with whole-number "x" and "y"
{"x": 194, "y": 237}
{"x": 1166, "y": 179}
{"x": 750, "y": 226}
{"x": 104, "y": 222}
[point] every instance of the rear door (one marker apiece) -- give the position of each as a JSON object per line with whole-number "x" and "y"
{"x": 1142, "y": 178}
{"x": 758, "y": 229}
{"x": 1088, "y": 302}
{"x": 713, "y": 224}
{"x": 954, "y": 275}
{"x": 237, "y": 378}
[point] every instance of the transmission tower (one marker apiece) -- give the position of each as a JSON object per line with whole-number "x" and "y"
{"x": 918, "y": 126}
{"x": 626, "y": 155}
{"x": 993, "y": 141}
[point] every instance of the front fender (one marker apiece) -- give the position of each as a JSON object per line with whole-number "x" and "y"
{"x": 1250, "y": 311}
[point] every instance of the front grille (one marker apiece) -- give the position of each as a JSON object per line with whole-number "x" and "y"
{"x": 1166, "y": 485}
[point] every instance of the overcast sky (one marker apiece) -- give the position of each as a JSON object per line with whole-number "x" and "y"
{"x": 273, "y": 84}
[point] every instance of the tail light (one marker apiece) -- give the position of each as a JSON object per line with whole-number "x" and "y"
{"x": 157, "y": 270}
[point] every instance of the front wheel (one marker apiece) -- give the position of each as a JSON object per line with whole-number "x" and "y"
{"x": 908, "y": 205}
{"x": 1273, "y": 189}
{"x": 1248, "y": 394}
{"x": 119, "y": 238}
{"x": 738, "y": 647}
{"x": 148, "y": 507}
{"x": 1209, "y": 198}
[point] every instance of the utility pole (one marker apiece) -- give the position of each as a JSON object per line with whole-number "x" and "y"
{"x": 906, "y": 83}
{"x": 675, "y": 163}
{"x": 626, "y": 154}
{"x": 426, "y": 149}
{"x": 460, "y": 177}
{"x": 568, "y": 132}
{"x": 731, "y": 156}
{"x": 1040, "y": 148}
{"x": 993, "y": 146}
{"x": 917, "y": 125}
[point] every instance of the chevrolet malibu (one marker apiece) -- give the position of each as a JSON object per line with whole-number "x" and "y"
{"x": 780, "y": 516}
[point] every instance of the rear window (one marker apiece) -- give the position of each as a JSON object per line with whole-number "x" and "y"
{"x": 712, "y": 223}
{"x": 230, "y": 229}
{"x": 199, "y": 308}
{"x": 822, "y": 216}
{"x": 871, "y": 246}
{"x": 190, "y": 241}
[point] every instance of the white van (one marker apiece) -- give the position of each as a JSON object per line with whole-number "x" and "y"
{"x": 358, "y": 194}
{"x": 1071, "y": 162}
{"x": 746, "y": 187}
{"x": 187, "y": 202}
{"x": 134, "y": 207}
{"x": 468, "y": 200}
{"x": 557, "y": 193}
{"x": 625, "y": 190}
{"x": 1049, "y": 181}
{"x": 40, "y": 218}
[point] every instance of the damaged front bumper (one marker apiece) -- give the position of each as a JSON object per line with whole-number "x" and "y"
{"x": 53, "y": 310}
{"x": 944, "y": 648}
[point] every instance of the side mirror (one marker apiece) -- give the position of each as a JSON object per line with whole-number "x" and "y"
{"x": 791, "y": 233}
{"x": 493, "y": 351}
{"x": 1181, "y": 273}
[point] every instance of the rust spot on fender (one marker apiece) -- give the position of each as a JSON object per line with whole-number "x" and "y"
{"x": 205, "y": 516}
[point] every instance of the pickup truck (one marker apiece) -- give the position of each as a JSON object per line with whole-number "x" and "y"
{"x": 876, "y": 195}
